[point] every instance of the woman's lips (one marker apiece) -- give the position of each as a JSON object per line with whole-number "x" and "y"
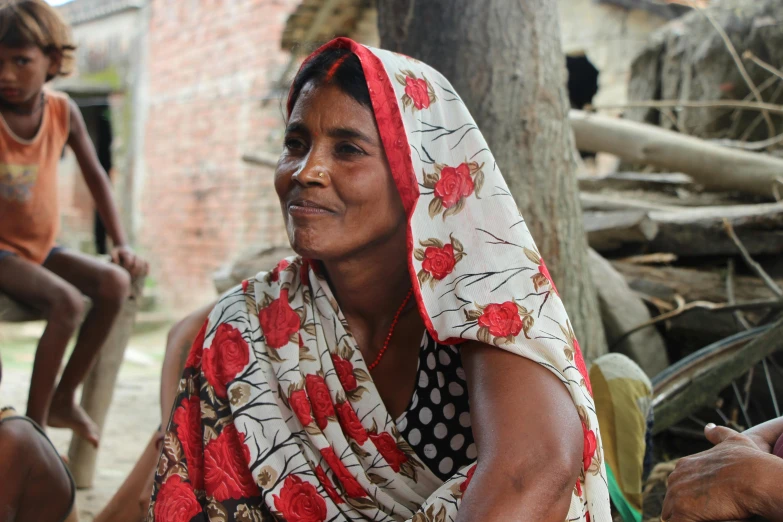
{"x": 306, "y": 208}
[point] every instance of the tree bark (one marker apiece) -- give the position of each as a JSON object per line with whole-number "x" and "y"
{"x": 504, "y": 59}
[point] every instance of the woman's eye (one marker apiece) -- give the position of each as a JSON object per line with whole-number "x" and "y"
{"x": 294, "y": 144}
{"x": 22, "y": 61}
{"x": 349, "y": 149}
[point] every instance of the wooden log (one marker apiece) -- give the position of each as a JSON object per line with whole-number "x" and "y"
{"x": 713, "y": 166}
{"x": 621, "y": 310}
{"x": 688, "y": 232}
{"x": 669, "y": 183}
{"x": 663, "y": 282}
{"x": 607, "y": 231}
{"x": 700, "y": 232}
{"x": 99, "y": 385}
{"x": 697, "y": 328}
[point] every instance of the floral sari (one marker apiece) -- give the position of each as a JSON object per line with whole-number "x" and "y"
{"x": 278, "y": 416}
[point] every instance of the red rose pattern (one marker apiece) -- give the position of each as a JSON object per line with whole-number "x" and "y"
{"x": 279, "y": 321}
{"x": 328, "y": 486}
{"x": 274, "y": 275}
{"x": 320, "y": 399}
{"x": 544, "y": 271}
{"x": 439, "y": 262}
{"x": 501, "y": 319}
{"x": 176, "y": 501}
{"x": 226, "y": 357}
{"x": 351, "y": 486}
{"x": 299, "y": 501}
{"x": 344, "y": 370}
{"x": 468, "y": 478}
{"x": 226, "y": 471}
{"x": 350, "y": 423}
{"x": 387, "y": 447}
{"x": 187, "y": 417}
{"x": 417, "y": 90}
{"x": 301, "y": 407}
{"x": 454, "y": 184}
{"x": 196, "y": 349}
{"x": 579, "y": 361}
{"x": 590, "y": 446}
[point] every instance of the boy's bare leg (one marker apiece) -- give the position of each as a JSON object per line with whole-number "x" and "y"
{"x": 107, "y": 286}
{"x": 62, "y": 305}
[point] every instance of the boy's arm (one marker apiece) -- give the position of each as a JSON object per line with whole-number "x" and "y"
{"x": 100, "y": 188}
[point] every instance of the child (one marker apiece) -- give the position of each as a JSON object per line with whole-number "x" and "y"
{"x": 36, "y": 482}
{"x": 35, "y": 125}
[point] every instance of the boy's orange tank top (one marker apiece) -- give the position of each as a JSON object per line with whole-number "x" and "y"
{"x": 29, "y": 211}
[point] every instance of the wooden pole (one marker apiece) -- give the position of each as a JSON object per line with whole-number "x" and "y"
{"x": 713, "y": 166}
{"x": 98, "y": 388}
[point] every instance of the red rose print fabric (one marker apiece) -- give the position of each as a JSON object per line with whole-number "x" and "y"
{"x": 227, "y": 355}
{"x": 276, "y": 398}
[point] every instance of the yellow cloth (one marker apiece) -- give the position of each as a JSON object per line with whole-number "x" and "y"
{"x": 622, "y": 394}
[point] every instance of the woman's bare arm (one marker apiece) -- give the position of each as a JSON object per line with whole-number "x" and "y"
{"x": 528, "y": 435}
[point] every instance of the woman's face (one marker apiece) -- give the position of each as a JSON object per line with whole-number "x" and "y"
{"x": 333, "y": 180}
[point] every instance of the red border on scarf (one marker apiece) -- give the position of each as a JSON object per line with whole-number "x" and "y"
{"x": 396, "y": 146}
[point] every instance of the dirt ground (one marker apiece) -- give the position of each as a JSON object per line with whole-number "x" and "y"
{"x": 133, "y": 416}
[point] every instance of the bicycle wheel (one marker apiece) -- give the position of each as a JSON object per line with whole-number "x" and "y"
{"x": 748, "y": 399}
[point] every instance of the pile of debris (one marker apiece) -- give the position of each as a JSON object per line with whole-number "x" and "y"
{"x": 693, "y": 221}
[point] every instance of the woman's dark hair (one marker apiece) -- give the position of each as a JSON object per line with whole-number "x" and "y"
{"x": 336, "y": 66}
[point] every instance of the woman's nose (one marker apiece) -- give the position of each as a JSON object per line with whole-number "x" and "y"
{"x": 312, "y": 175}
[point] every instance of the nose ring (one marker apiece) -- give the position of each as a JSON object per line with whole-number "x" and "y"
{"x": 320, "y": 174}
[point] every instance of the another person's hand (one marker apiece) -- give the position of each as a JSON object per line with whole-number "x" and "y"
{"x": 720, "y": 483}
{"x": 125, "y": 257}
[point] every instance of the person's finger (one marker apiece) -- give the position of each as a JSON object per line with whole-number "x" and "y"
{"x": 717, "y": 434}
{"x": 668, "y": 506}
{"x": 115, "y": 257}
{"x": 130, "y": 263}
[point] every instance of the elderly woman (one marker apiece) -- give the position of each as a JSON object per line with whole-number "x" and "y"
{"x": 415, "y": 362}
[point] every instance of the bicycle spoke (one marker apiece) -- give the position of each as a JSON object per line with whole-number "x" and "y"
{"x": 726, "y": 420}
{"x": 741, "y": 405}
{"x": 771, "y": 387}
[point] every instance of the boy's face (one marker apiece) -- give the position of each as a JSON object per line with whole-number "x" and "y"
{"x": 23, "y": 72}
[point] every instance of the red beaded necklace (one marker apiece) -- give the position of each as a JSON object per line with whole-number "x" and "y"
{"x": 391, "y": 331}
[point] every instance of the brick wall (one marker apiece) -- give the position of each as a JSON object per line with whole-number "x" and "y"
{"x": 212, "y": 68}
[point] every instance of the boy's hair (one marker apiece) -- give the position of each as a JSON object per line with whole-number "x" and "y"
{"x": 35, "y": 22}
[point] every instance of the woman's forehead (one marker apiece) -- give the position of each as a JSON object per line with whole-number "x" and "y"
{"x": 328, "y": 105}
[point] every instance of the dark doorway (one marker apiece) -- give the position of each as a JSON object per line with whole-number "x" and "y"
{"x": 97, "y": 118}
{"x": 582, "y": 85}
{"x": 582, "y": 81}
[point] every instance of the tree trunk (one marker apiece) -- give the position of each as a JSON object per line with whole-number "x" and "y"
{"x": 504, "y": 59}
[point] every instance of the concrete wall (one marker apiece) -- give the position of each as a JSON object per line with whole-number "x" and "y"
{"x": 610, "y": 37}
